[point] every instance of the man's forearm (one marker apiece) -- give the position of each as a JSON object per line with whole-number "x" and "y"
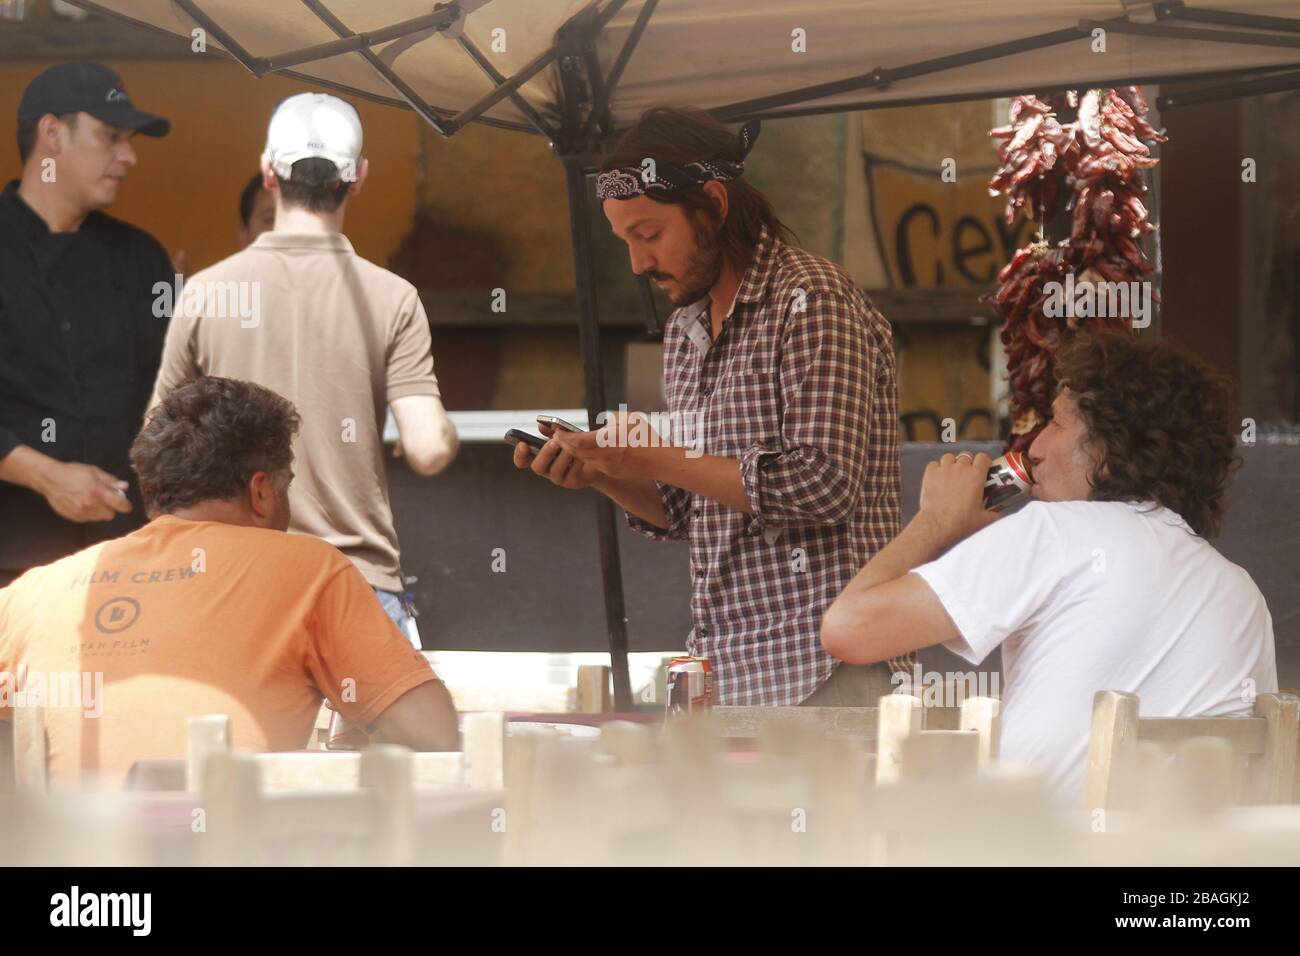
{"x": 710, "y": 476}
{"x": 638, "y": 496}
{"x": 26, "y": 466}
{"x": 919, "y": 543}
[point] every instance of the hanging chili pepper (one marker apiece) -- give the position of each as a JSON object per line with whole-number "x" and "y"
{"x": 1092, "y": 167}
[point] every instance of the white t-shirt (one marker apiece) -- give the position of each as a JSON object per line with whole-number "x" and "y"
{"x": 1087, "y": 596}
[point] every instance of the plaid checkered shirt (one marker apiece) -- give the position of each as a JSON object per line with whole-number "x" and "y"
{"x": 800, "y": 386}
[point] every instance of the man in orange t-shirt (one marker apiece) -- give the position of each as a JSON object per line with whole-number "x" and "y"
{"x": 211, "y": 608}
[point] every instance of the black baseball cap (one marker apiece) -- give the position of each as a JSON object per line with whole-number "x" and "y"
{"x": 86, "y": 88}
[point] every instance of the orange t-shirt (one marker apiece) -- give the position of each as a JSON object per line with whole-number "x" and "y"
{"x": 183, "y": 618}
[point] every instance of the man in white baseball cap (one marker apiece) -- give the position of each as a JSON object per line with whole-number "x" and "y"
{"x": 315, "y": 126}
{"x": 340, "y": 337}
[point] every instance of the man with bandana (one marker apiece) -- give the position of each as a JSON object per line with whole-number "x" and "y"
{"x": 780, "y": 377}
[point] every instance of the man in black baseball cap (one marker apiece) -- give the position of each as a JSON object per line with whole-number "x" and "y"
{"x": 86, "y": 88}
{"x": 80, "y": 330}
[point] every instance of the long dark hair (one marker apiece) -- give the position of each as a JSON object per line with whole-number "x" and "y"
{"x": 1163, "y": 420}
{"x": 687, "y": 135}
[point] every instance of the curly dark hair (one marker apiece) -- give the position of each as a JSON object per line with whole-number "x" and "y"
{"x": 207, "y": 438}
{"x": 1162, "y": 420}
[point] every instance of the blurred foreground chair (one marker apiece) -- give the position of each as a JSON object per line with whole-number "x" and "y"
{"x": 367, "y": 824}
{"x": 906, "y": 750}
{"x": 28, "y": 770}
{"x": 682, "y": 791}
{"x": 972, "y": 743}
{"x": 1219, "y": 760}
{"x": 354, "y": 808}
{"x": 478, "y": 765}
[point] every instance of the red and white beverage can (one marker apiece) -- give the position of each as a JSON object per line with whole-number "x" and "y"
{"x": 1009, "y": 482}
{"x": 690, "y": 685}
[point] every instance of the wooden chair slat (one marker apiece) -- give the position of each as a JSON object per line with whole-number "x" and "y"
{"x": 593, "y": 689}
{"x": 483, "y": 737}
{"x": 206, "y": 735}
{"x": 1281, "y": 712}
{"x": 1114, "y": 731}
{"x": 899, "y": 717}
{"x": 984, "y": 716}
{"x": 31, "y": 763}
{"x": 1124, "y": 750}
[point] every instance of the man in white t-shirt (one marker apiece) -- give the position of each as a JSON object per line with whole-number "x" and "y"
{"x": 1105, "y": 582}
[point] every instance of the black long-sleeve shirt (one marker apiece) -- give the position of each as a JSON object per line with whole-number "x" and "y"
{"x": 79, "y": 349}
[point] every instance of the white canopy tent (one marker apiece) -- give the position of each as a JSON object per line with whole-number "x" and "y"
{"x": 576, "y": 70}
{"x": 736, "y": 58}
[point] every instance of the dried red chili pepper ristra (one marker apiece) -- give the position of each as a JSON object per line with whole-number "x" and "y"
{"x": 1092, "y": 167}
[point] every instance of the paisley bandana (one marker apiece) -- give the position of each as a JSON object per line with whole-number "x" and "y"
{"x": 657, "y": 179}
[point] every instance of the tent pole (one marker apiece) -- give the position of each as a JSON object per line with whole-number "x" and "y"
{"x": 495, "y": 76}
{"x": 881, "y": 78}
{"x": 600, "y": 110}
{"x": 611, "y": 570}
{"x": 439, "y": 20}
{"x": 1144, "y": 79}
{"x": 400, "y": 86}
{"x": 1160, "y": 30}
{"x": 1276, "y": 83}
{"x": 245, "y": 59}
{"x": 1179, "y": 11}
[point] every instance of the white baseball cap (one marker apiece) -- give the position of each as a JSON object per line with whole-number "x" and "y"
{"x": 314, "y": 126}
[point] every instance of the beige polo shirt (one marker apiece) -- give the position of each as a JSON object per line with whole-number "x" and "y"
{"x": 304, "y": 315}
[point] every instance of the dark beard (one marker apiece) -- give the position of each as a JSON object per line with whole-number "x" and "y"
{"x": 704, "y": 269}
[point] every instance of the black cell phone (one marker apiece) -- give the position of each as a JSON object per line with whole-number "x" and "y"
{"x": 517, "y": 435}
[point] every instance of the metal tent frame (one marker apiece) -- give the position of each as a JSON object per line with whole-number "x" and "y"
{"x": 584, "y": 125}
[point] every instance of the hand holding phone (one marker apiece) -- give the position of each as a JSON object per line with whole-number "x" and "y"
{"x": 517, "y": 435}
{"x": 551, "y": 463}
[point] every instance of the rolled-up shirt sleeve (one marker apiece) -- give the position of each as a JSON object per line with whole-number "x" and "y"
{"x": 830, "y": 360}
{"x": 677, "y": 506}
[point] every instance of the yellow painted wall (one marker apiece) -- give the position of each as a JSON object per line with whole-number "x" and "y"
{"x": 508, "y": 186}
{"x": 503, "y": 185}
{"x": 945, "y": 232}
{"x": 185, "y": 189}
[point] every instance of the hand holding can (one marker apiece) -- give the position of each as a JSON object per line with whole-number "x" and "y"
{"x": 1010, "y": 481}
